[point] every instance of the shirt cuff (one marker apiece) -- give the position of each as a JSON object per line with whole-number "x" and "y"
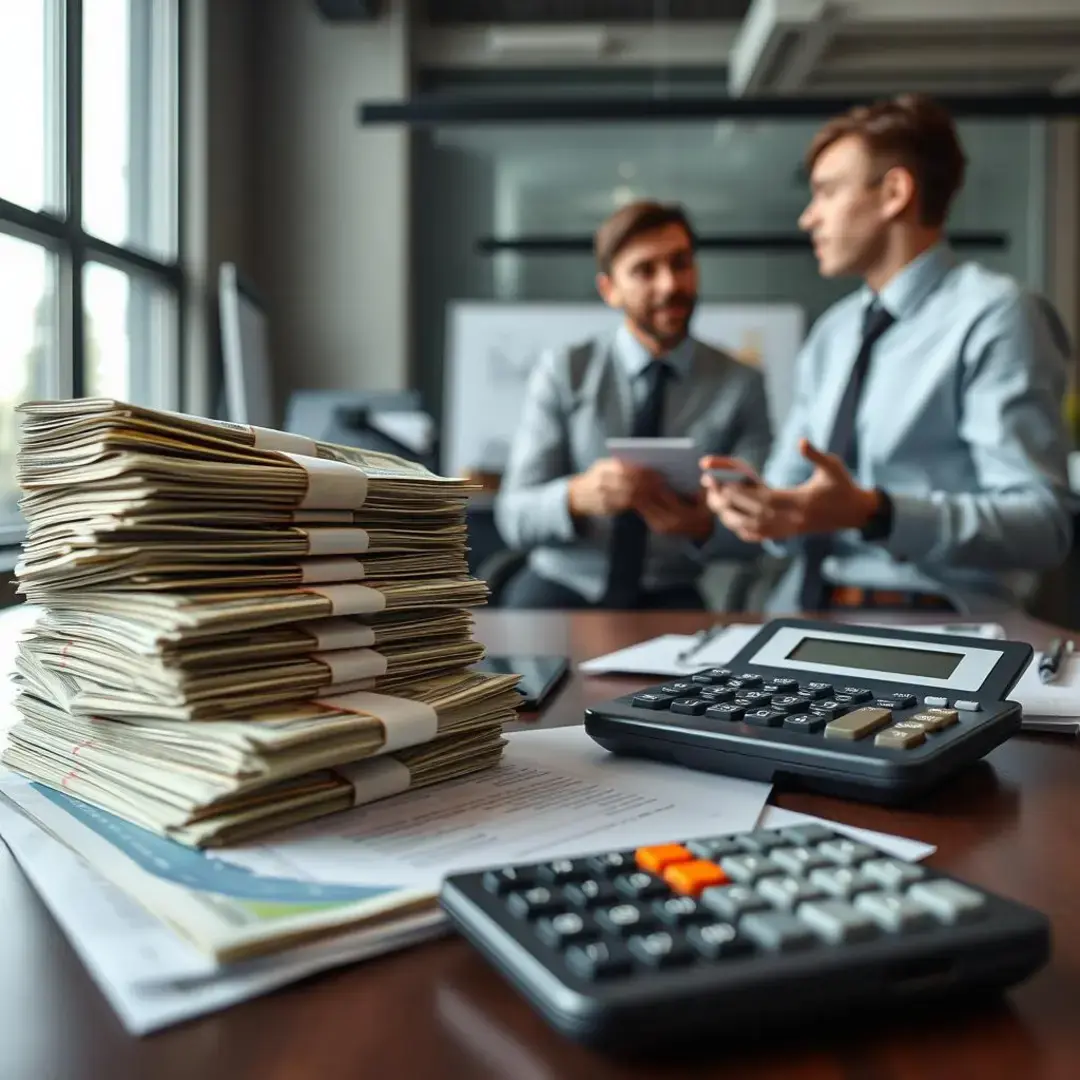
{"x": 915, "y": 527}
{"x": 554, "y": 510}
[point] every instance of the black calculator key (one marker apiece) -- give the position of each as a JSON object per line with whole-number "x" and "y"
{"x": 781, "y": 686}
{"x": 534, "y": 902}
{"x": 625, "y": 919}
{"x": 651, "y": 699}
{"x": 679, "y": 910}
{"x": 850, "y": 700}
{"x": 565, "y": 929}
{"x": 690, "y": 706}
{"x": 562, "y": 871}
{"x": 733, "y": 901}
{"x": 640, "y": 886}
{"x": 714, "y": 848}
{"x": 679, "y": 689}
{"x": 816, "y": 689}
{"x": 855, "y": 693}
{"x": 599, "y": 959}
{"x": 808, "y": 722}
{"x": 613, "y": 862}
{"x": 509, "y": 879}
{"x": 747, "y": 679}
{"x": 831, "y": 709}
{"x": 713, "y": 675}
{"x": 896, "y": 701}
{"x": 726, "y": 710}
{"x": 716, "y": 940}
{"x": 661, "y": 948}
{"x": 778, "y": 931}
{"x": 764, "y": 717}
{"x": 752, "y": 697}
{"x": 789, "y": 703}
{"x": 715, "y": 694}
{"x": 813, "y": 695}
{"x": 590, "y": 893}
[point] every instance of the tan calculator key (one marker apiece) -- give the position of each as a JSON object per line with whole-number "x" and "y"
{"x": 857, "y": 724}
{"x": 936, "y": 719}
{"x": 898, "y": 738}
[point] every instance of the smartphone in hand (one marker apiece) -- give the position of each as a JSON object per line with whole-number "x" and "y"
{"x": 730, "y": 476}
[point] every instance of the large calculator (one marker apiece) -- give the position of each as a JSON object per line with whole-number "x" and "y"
{"x": 872, "y": 713}
{"x": 751, "y": 934}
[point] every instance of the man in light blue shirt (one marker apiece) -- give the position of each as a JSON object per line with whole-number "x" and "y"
{"x": 599, "y": 531}
{"x": 923, "y": 463}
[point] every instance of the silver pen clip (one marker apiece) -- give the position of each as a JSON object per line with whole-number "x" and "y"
{"x": 701, "y": 639}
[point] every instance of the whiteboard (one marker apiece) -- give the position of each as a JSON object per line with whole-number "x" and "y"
{"x": 492, "y": 348}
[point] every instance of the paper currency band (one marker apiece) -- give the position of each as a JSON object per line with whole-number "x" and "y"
{"x": 405, "y": 722}
{"x": 350, "y": 599}
{"x": 331, "y": 485}
{"x": 352, "y": 665}
{"x": 268, "y": 439}
{"x": 336, "y": 541}
{"x": 330, "y": 634}
{"x": 375, "y": 778}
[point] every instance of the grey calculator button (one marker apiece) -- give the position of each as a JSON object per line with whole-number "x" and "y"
{"x": 798, "y": 860}
{"x": 949, "y": 900}
{"x": 732, "y": 901}
{"x": 941, "y": 702}
{"x": 788, "y": 892}
{"x": 896, "y": 914}
{"x": 891, "y": 873}
{"x": 748, "y": 868}
{"x": 847, "y": 852}
{"x": 812, "y": 832}
{"x": 838, "y": 922}
{"x": 778, "y": 931}
{"x": 842, "y": 881}
{"x": 967, "y": 706}
{"x": 761, "y": 841}
{"x": 714, "y": 847}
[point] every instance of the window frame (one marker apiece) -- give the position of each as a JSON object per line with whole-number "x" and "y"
{"x": 62, "y": 232}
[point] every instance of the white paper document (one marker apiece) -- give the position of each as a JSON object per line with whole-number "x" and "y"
{"x": 556, "y": 793}
{"x": 150, "y": 975}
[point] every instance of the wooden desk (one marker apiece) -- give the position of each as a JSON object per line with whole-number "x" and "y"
{"x": 438, "y": 1011}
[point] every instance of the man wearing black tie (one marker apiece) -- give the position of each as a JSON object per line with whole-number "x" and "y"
{"x": 601, "y": 532}
{"x": 923, "y": 463}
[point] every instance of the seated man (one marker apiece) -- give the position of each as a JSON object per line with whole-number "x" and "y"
{"x": 600, "y": 532}
{"x": 923, "y": 463}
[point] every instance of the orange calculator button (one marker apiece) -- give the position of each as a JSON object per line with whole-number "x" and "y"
{"x": 655, "y": 858}
{"x": 691, "y": 877}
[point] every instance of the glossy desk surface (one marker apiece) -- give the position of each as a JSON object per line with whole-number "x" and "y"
{"x": 1011, "y": 824}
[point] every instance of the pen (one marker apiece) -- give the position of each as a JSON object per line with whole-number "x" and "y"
{"x": 701, "y": 639}
{"x": 1051, "y": 661}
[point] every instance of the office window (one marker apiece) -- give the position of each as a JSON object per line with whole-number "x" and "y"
{"x": 90, "y": 279}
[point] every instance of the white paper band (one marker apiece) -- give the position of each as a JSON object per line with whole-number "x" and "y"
{"x": 351, "y": 599}
{"x": 343, "y": 569}
{"x": 331, "y": 485}
{"x": 349, "y": 665}
{"x": 330, "y": 634}
{"x": 269, "y": 439}
{"x": 406, "y": 722}
{"x": 336, "y": 541}
{"x": 375, "y": 778}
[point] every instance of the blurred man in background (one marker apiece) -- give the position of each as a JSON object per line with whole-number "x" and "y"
{"x": 923, "y": 463}
{"x": 601, "y": 532}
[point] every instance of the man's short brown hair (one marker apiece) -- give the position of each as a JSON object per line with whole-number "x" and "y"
{"x": 912, "y": 131}
{"x": 632, "y": 220}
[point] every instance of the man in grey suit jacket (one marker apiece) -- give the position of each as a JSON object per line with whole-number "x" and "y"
{"x": 600, "y": 532}
{"x": 923, "y": 463}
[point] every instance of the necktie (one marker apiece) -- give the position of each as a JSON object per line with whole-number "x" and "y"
{"x": 842, "y": 442}
{"x": 629, "y": 534}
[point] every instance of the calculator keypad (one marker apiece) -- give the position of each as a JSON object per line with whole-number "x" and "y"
{"x": 721, "y": 899}
{"x": 891, "y": 721}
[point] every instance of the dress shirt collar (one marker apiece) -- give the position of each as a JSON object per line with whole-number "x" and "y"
{"x": 634, "y": 358}
{"x": 906, "y": 290}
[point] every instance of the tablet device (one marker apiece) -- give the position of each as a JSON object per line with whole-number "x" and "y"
{"x": 675, "y": 459}
{"x": 540, "y": 675}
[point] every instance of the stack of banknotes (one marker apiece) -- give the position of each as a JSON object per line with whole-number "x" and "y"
{"x": 241, "y": 629}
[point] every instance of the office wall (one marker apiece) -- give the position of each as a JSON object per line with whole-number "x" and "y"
{"x": 331, "y": 199}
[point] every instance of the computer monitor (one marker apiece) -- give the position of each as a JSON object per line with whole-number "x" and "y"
{"x": 245, "y": 350}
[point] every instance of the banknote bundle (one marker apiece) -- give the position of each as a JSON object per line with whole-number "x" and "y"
{"x": 240, "y": 628}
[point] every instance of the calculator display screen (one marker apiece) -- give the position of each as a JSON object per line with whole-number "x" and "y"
{"x": 898, "y": 660}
